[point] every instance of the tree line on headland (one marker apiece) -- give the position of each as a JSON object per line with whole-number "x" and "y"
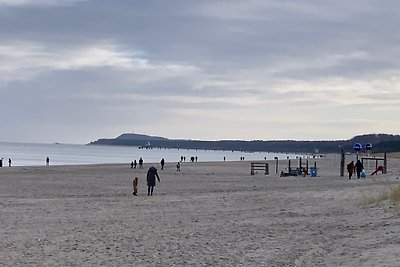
{"x": 380, "y": 143}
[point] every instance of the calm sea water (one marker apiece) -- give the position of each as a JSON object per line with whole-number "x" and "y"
{"x": 23, "y": 154}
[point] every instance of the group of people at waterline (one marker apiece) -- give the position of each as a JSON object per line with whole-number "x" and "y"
{"x": 10, "y": 162}
{"x": 1, "y": 162}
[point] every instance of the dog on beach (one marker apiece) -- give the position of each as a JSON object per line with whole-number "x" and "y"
{"x": 135, "y": 186}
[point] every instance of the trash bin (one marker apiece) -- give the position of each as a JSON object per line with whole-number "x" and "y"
{"x": 313, "y": 172}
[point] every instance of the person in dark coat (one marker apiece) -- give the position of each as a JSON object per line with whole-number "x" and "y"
{"x": 162, "y": 164}
{"x": 141, "y": 163}
{"x": 350, "y": 169}
{"x": 359, "y": 168}
{"x": 151, "y": 180}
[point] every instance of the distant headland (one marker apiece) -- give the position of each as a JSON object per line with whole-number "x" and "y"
{"x": 380, "y": 143}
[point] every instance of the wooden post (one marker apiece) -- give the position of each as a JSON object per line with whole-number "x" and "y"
{"x": 384, "y": 163}
{"x": 276, "y": 164}
{"x": 342, "y": 160}
{"x": 289, "y": 166}
{"x": 266, "y": 169}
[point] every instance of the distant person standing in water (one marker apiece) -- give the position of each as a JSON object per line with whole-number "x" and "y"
{"x": 151, "y": 180}
{"x": 47, "y": 161}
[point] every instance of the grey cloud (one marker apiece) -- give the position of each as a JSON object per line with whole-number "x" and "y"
{"x": 349, "y": 69}
{"x": 40, "y": 3}
{"x": 107, "y": 61}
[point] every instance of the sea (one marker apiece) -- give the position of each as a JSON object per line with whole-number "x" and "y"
{"x": 30, "y": 154}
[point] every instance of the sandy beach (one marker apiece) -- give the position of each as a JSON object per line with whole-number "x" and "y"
{"x": 209, "y": 214}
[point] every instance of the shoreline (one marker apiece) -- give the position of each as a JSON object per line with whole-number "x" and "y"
{"x": 35, "y": 154}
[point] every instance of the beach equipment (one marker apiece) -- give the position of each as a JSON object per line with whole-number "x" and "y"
{"x": 301, "y": 169}
{"x": 379, "y": 162}
{"x": 313, "y": 171}
{"x": 258, "y": 166}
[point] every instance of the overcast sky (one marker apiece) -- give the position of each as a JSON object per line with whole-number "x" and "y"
{"x": 73, "y": 71}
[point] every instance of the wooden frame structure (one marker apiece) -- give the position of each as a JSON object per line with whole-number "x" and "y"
{"x": 259, "y": 166}
{"x": 300, "y": 169}
{"x": 377, "y": 159}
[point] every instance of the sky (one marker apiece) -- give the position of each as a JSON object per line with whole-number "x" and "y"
{"x": 74, "y": 71}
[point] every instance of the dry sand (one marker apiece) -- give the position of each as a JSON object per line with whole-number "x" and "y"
{"x": 209, "y": 214}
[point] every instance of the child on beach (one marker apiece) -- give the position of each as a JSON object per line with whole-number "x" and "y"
{"x": 135, "y": 186}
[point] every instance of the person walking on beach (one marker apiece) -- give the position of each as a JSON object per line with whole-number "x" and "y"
{"x": 1, "y": 162}
{"x": 350, "y": 169}
{"x": 141, "y": 163}
{"x": 178, "y": 167}
{"x": 162, "y": 164}
{"x": 359, "y": 168}
{"x": 151, "y": 180}
{"x": 134, "y": 164}
{"x": 9, "y": 162}
{"x": 47, "y": 161}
